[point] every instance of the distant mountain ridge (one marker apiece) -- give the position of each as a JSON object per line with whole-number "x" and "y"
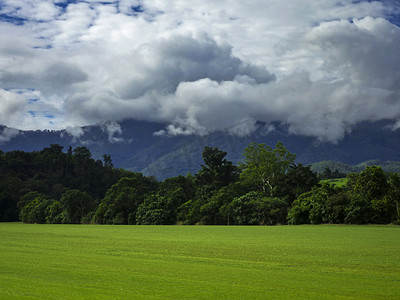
{"x": 387, "y": 166}
{"x": 134, "y": 146}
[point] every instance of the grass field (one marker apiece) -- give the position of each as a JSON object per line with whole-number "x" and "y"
{"x": 199, "y": 262}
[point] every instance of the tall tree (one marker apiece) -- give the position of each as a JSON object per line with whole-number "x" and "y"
{"x": 368, "y": 197}
{"x": 264, "y": 167}
{"x": 394, "y": 192}
{"x": 217, "y": 171}
{"x": 298, "y": 180}
{"x": 107, "y": 161}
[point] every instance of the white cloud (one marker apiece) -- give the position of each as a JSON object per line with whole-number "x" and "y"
{"x": 319, "y": 67}
{"x": 362, "y": 50}
{"x": 7, "y": 134}
{"x": 37, "y": 10}
{"x": 75, "y": 131}
{"x": 112, "y": 129}
{"x": 12, "y": 107}
{"x": 326, "y": 111}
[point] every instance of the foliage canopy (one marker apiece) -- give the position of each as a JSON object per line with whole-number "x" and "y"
{"x": 51, "y": 186}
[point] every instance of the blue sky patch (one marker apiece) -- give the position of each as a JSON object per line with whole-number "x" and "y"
{"x": 63, "y": 5}
{"x": 11, "y": 19}
{"x": 48, "y": 115}
{"x": 137, "y": 9}
{"x": 43, "y": 47}
{"x": 33, "y": 113}
{"x": 45, "y": 114}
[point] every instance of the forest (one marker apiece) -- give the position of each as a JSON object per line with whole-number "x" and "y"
{"x": 267, "y": 188}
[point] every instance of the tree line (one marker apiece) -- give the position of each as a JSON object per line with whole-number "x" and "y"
{"x": 45, "y": 176}
{"x": 266, "y": 188}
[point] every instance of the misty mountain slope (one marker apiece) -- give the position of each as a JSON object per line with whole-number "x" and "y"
{"x": 368, "y": 141}
{"x": 134, "y": 146}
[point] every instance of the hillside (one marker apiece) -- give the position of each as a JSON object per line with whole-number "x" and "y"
{"x": 387, "y": 166}
{"x": 134, "y": 146}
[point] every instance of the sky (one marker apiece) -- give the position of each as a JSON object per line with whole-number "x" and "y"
{"x": 318, "y": 66}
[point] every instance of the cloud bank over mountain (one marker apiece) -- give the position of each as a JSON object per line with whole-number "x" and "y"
{"x": 200, "y": 67}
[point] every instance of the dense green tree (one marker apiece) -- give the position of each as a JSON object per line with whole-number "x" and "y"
{"x": 35, "y": 211}
{"x": 82, "y": 154}
{"x": 40, "y": 183}
{"x": 51, "y": 172}
{"x": 254, "y": 208}
{"x": 336, "y": 206}
{"x": 264, "y": 167}
{"x": 368, "y": 197}
{"x": 19, "y": 163}
{"x": 310, "y": 207}
{"x": 120, "y": 204}
{"x": 27, "y": 198}
{"x": 55, "y": 214}
{"x": 226, "y": 196}
{"x": 189, "y": 212}
{"x": 10, "y": 188}
{"x": 394, "y": 193}
{"x": 299, "y": 179}
{"x": 77, "y": 204}
{"x": 359, "y": 210}
{"x": 107, "y": 161}
{"x": 156, "y": 210}
{"x": 217, "y": 171}
{"x": 50, "y": 186}
{"x": 203, "y": 205}
{"x": 185, "y": 184}
{"x": 372, "y": 183}
{"x": 384, "y": 210}
{"x": 52, "y": 158}
{"x": 215, "y": 210}
{"x": 176, "y": 191}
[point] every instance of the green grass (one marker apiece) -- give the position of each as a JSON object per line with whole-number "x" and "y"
{"x": 338, "y": 182}
{"x": 199, "y": 262}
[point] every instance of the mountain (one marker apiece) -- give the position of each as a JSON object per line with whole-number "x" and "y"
{"x": 387, "y": 166}
{"x": 133, "y": 145}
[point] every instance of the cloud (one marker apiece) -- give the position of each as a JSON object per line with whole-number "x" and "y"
{"x": 323, "y": 110}
{"x": 319, "y": 68}
{"x": 7, "y": 134}
{"x": 362, "y": 50}
{"x": 75, "y": 131}
{"x": 12, "y": 107}
{"x": 187, "y": 58}
{"x": 112, "y": 129}
{"x": 37, "y": 10}
{"x": 174, "y": 61}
